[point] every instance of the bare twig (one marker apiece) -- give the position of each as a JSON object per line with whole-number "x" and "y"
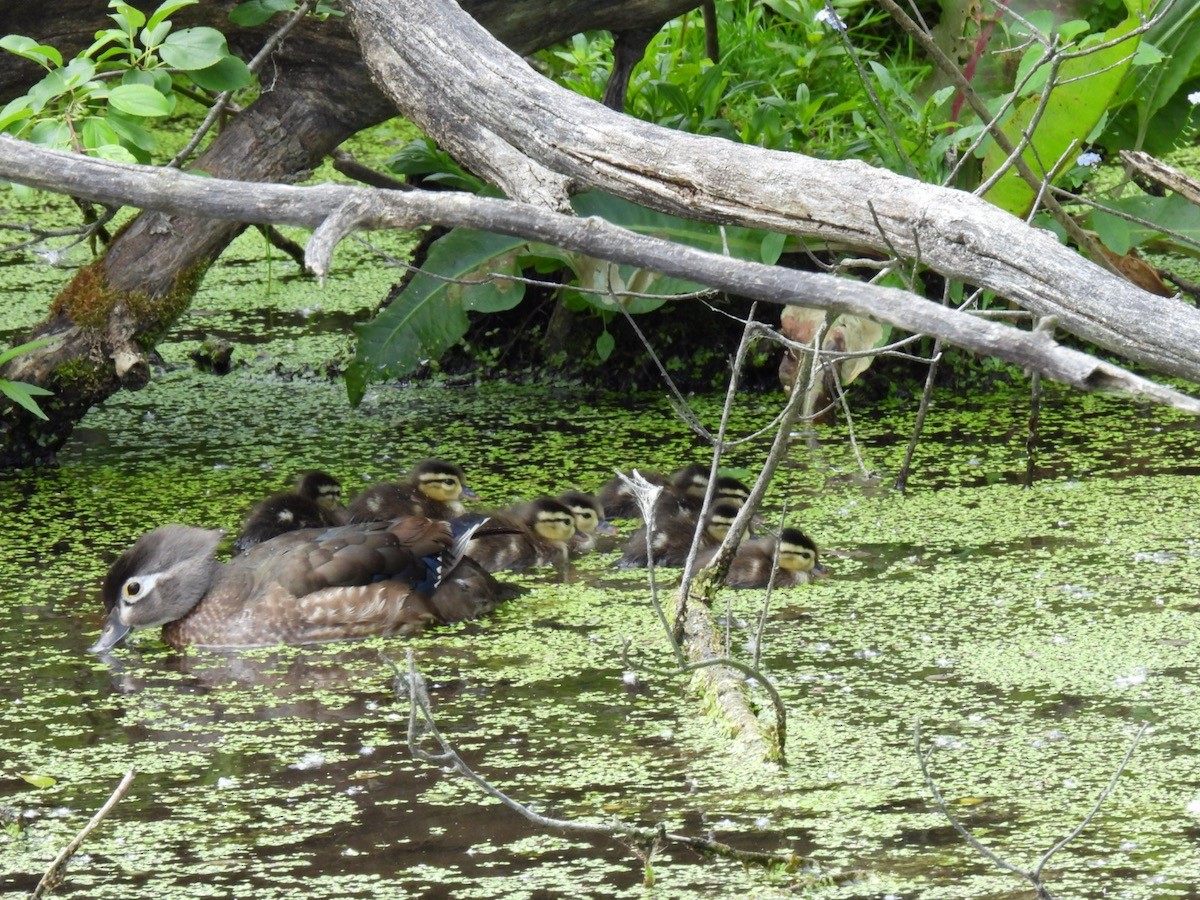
{"x": 1034, "y": 875}
{"x": 54, "y": 875}
{"x": 421, "y": 724}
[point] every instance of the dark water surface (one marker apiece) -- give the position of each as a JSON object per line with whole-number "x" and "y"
{"x": 1030, "y": 631}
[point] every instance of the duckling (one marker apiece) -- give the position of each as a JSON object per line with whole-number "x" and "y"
{"x": 751, "y": 567}
{"x": 434, "y": 489}
{"x": 618, "y": 502}
{"x": 589, "y": 520}
{"x": 314, "y": 501}
{"x": 672, "y": 539}
{"x": 300, "y": 587}
{"x": 535, "y": 534}
{"x": 689, "y": 502}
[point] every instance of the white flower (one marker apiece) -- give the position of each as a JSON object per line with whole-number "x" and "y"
{"x": 1193, "y": 97}
{"x": 1089, "y": 159}
{"x": 827, "y": 16}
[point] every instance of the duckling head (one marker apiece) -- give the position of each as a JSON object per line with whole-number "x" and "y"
{"x": 157, "y": 580}
{"x": 588, "y": 513}
{"x": 551, "y": 519}
{"x": 690, "y": 480}
{"x": 720, "y": 520}
{"x": 731, "y": 490}
{"x": 441, "y": 481}
{"x": 320, "y": 487}
{"x": 798, "y": 553}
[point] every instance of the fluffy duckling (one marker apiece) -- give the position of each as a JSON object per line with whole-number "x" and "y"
{"x": 672, "y": 539}
{"x": 535, "y": 534}
{"x": 301, "y": 587}
{"x": 316, "y": 500}
{"x": 751, "y": 567}
{"x": 618, "y": 502}
{"x": 433, "y": 489}
{"x": 689, "y": 502}
{"x": 589, "y": 520}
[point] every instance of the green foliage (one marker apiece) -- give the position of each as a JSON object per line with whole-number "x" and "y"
{"x": 422, "y": 158}
{"x": 101, "y": 101}
{"x": 1086, "y": 87}
{"x": 255, "y": 12}
{"x": 18, "y": 391}
{"x": 429, "y": 315}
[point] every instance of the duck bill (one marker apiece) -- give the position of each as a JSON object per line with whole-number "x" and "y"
{"x": 820, "y": 571}
{"x": 468, "y": 494}
{"x": 606, "y": 527}
{"x": 113, "y": 633}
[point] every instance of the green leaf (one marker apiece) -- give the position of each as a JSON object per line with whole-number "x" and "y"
{"x": 1087, "y": 86}
{"x": 17, "y": 110}
{"x": 139, "y": 100}
{"x": 230, "y": 74}
{"x": 772, "y": 247}
{"x": 128, "y": 17}
{"x": 21, "y": 393}
{"x": 430, "y": 314}
{"x": 166, "y": 9}
{"x": 1167, "y": 214}
{"x": 255, "y": 12}
{"x": 133, "y": 136}
{"x": 605, "y": 343}
{"x": 13, "y": 352}
{"x": 193, "y": 48}
{"x": 40, "y": 781}
{"x": 56, "y": 135}
{"x": 151, "y": 37}
{"x": 115, "y": 152}
{"x": 97, "y": 133}
{"x": 41, "y": 54}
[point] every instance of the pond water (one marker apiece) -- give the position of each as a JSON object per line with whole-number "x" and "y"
{"x": 1030, "y": 631}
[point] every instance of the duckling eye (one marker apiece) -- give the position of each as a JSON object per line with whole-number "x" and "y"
{"x": 587, "y": 515}
{"x": 131, "y": 589}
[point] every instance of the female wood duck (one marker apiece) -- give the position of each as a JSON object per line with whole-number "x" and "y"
{"x": 534, "y": 534}
{"x": 301, "y": 587}
{"x": 672, "y": 540}
{"x": 798, "y": 562}
{"x": 589, "y": 520}
{"x": 315, "y": 501}
{"x": 434, "y": 489}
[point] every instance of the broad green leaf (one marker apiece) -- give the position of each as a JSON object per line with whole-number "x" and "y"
{"x": 605, "y": 343}
{"x": 166, "y": 9}
{"x": 21, "y": 393}
{"x": 230, "y": 74}
{"x": 255, "y": 12}
{"x": 115, "y": 152}
{"x": 152, "y": 36}
{"x": 40, "y": 781}
{"x": 1177, "y": 35}
{"x": 1170, "y": 213}
{"x": 41, "y": 54}
{"x": 17, "y": 110}
{"x": 139, "y": 100}
{"x": 51, "y": 134}
{"x": 130, "y": 18}
{"x": 193, "y": 48}
{"x": 97, "y": 133}
{"x": 1087, "y": 86}
{"x": 772, "y": 247}
{"x": 430, "y": 314}
{"x": 133, "y": 135}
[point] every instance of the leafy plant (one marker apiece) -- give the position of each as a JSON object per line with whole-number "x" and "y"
{"x": 18, "y": 391}
{"x": 430, "y": 314}
{"x": 1085, "y": 88}
{"x": 100, "y": 101}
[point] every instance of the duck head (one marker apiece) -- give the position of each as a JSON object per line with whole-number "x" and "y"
{"x": 798, "y": 553}
{"x": 441, "y": 481}
{"x": 551, "y": 519}
{"x": 588, "y": 513}
{"x": 157, "y": 580}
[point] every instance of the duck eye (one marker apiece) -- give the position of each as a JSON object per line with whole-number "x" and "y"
{"x": 132, "y": 589}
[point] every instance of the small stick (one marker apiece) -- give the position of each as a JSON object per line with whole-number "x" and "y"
{"x": 54, "y": 875}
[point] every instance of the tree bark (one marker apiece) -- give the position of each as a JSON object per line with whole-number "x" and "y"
{"x": 333, "y": 211}
{"x": 433, "y": 60}
{"x": 318, "y": 93}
